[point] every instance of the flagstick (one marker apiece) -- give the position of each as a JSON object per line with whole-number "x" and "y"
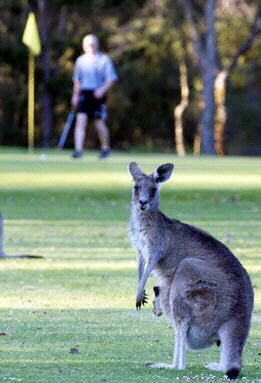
{"x": 31, "y": 101}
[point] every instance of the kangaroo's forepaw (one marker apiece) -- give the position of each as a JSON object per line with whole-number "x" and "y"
{"x": 145, "y": 298}
{"x": 160, "y": 365}
{"x": 141, "y": 299}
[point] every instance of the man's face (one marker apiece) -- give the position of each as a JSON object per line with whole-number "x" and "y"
{"x": 90, "y": 48}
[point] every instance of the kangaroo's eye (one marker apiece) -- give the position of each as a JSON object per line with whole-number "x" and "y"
{"x": 136, "y": 189}
{"x": 153, "y": 191}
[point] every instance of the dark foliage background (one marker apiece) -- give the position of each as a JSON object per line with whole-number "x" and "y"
{"x": 144, "y": 40}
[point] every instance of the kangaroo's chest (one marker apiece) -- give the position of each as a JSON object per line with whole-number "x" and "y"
{"x": 139, "y": 237}
{"x": 146, "y": 234}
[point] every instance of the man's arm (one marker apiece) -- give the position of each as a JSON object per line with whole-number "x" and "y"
{"x": 100, "y": 92}
{"x": 110, "y": 76}
{"x": 76, "y": 92}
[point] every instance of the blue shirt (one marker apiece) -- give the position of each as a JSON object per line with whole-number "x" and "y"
{"x": 93, "y": 71}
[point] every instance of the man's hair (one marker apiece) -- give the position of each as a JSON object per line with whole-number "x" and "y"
{"x": 90, "y": 40}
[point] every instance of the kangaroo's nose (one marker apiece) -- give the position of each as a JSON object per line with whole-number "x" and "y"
{"x": 143, "y": 204}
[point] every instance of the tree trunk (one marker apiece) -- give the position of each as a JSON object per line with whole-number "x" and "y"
{"x": 208, "y": 66}
{"x": 205, "y": 47}
{"x": 221, "y": 82}
{"x": 208, "y": 114}
{"x": 179, "y": 110}
{"x": 47, "y": 111}
{"x": 196, "y": 144}
{"x": 221, "y": 114}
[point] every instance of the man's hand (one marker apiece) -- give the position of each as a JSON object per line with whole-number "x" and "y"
{"x": 141, "y": 299}
{"x": 75, "y": 100}
{"x": 99, "y": 93}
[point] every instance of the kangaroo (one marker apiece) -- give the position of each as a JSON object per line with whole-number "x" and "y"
{"x": 204, "y": 290}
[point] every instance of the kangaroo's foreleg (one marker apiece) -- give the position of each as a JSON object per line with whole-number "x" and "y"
{"x": 141, "y": 295}
{"x": 141, "y": 264}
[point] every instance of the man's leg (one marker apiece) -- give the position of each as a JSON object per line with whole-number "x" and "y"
{"x": 79, "y": 133}
{"x": 104, "y": 137}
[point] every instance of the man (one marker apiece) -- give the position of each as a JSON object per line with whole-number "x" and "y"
{"x": 93, "y": 76}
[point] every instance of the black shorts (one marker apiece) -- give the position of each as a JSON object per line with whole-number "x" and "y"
{"x": 93, "y": 107}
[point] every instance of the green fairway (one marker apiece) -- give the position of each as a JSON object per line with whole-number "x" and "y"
{"x": 82, "y": 294}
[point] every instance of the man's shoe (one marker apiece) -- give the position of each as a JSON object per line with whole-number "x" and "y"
{"x": 77, "y": 154}
{"x": 105, "y": 153}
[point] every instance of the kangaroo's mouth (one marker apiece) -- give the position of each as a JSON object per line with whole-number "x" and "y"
{"x": 144, "y": 207}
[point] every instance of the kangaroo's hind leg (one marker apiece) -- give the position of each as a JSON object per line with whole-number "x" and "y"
{"x": 194, "y": 302}
{"x": 181, "y": 328}
{"x": 179, "y": 359}
{"x": 233, "y": 335}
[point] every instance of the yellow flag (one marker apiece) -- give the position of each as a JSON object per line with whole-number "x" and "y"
{"x": 31, "y": 35}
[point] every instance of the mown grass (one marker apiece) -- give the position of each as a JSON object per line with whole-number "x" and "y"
{"x": 82, "y": 294}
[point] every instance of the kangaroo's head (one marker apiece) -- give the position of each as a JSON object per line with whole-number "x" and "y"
{"x": 145, "y": 193}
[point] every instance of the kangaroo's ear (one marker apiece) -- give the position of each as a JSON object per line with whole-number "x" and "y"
{"x": 163, "y": 172}
{"x": 135, "y": 170}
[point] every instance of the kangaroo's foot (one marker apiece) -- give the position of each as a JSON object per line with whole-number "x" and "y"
{"x": 213, "y": 366}
{"x": 160, "y": 365}
{"x": 232, "y": 373}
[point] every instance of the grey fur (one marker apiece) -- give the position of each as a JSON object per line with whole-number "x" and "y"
{"x": 204, "y": 290}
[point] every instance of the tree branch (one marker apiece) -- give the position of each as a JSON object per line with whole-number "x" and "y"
{"x": 254, "y": 31}
{"x": 197, "y": 43}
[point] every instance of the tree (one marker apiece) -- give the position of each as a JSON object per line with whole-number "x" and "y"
{"x": 222, "y": 80}
{"x": 180, "y": 108}
{"x": 206, "y": 51}
{"x": 47, "y": 110}
{"x": 213, "y": 76}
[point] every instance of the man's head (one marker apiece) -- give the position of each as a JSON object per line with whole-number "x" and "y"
{"x": 90, "y": 44}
